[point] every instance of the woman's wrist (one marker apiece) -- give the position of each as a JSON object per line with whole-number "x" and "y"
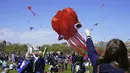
{"x": 89, "y": 37}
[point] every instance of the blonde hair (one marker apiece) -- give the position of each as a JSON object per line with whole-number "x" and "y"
{"x": 27, "y": 55}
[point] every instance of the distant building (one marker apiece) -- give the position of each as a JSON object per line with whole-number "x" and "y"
{"x": 8, "y": 43}
{"x": 3, "y": 42}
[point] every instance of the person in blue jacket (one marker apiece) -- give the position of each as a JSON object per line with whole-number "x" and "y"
{"x": 115, "y": 59}
{"x": 27, "y": 65}
{"x": 40, "y": 64}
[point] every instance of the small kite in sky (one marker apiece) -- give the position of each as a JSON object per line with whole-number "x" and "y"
{"x": 30, "y": 8}
{"x": 28, "y": 21}
{"x": 91, "y": 29}
{"x": 96, "y": 24}
{"x": 31, "y": 28}
{"x": 102, "y": 5}
{"x": 41, "y": 26}
{"x": 2, "y": 33}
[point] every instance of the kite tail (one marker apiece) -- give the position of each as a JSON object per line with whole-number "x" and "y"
{"x": 33, "y": 13}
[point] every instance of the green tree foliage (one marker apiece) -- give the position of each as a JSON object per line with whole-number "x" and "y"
{"x": 58, "y": 47}
{"x": 15, "y": 47}
{"x": 129, "y": 50}
{"x": 2, "y": 45}
{"x": 64, "y": 47}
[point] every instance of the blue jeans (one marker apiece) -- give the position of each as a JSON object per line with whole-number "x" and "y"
{"x": 73, "y": 68}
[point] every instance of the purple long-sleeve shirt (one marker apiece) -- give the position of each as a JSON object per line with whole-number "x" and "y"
{"x": 104, "y": 67}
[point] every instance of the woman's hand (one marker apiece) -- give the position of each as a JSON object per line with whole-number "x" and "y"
{"x": 87, "y": 32}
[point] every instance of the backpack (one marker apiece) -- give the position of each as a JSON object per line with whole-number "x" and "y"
{"x": 23, "y": 66}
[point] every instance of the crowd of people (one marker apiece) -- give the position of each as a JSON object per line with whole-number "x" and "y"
{"x": 114, "y": 60}
{"x": 35, "y": 62}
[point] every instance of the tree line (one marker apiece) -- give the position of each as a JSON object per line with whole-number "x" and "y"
{"x": 64, "y": 47}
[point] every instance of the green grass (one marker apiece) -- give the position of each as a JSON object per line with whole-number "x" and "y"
{"x": 47, "y": 66}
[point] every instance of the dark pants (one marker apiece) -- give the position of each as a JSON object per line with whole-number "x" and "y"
{"x": 0, "y": 64}
{"x": 66, "y": 66}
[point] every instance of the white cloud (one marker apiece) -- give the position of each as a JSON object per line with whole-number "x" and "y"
{"x": 35, "y": 37}
{"x": 7, "y": 33}
{"x": 37, "y": 34}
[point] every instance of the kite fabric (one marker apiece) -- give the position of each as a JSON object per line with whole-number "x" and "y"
{"x": 66, "y": 24}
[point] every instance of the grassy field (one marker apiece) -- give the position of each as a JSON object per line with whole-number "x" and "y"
{"x": 47, "y": 66}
